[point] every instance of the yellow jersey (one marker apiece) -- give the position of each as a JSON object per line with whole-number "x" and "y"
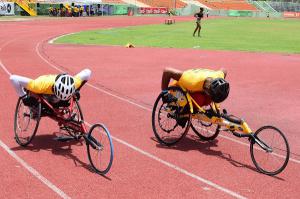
{"x": 193, "y": 79}
{"x": 44, "y": 84}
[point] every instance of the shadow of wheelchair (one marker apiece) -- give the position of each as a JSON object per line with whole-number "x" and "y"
{"x": 47, "y": 142}
{"x": 192, "y": 142}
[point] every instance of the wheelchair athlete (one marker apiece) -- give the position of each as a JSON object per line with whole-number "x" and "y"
{"x": 204, "y": 86}
{"x": 57, "y": 89}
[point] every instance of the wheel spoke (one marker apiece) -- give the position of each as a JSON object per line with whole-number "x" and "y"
{"x": 166, "y": 116}
{"x": 205, "y": 130}
{"x": 102, "y": 156}
{"x": 26, "y": 123}
{"x": 275, "y": 161}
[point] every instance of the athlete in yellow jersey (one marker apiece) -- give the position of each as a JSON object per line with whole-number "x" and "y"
{"x": 211, "y": 83}
{"x": 63, "y": 86}
{"x": 204, "y": 85}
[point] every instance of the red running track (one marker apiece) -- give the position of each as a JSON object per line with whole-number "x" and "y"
{"x": 125, "y": 84}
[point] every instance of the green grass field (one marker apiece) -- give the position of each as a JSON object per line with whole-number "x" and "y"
{"x": 238, "y": 34}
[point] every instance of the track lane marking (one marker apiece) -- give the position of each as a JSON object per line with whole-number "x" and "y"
{"x": 181, "y": 170}
{"x": 34, "y": 172}
{"x": 170, "y": 165}
{"x": 4, "y": 68}
{"x": 139, "y": 105}
{"x": 29, "y": 168}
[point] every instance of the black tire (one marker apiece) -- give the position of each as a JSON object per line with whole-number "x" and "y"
{"x": 204, "y": 130}
{"x": 281, "y": 152}
{"x": 31, "y": 116}
{"x": 100, "y": 145}
{"x": 166, "y": 135}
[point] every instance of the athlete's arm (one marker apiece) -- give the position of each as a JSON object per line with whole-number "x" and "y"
{"x": 168, "y": 74}
{"x": 19, "y": 83}
{"x": 224, "y": 71}
{"x": 81, "y": 78}
{"x": 84, "y": 75}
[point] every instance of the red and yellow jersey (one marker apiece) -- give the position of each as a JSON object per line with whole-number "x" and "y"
{"x": 44, "y": 84}
{"x": 193, "y": 79}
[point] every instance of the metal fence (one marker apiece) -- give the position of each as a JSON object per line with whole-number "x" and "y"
{"x": 285, "y": 6}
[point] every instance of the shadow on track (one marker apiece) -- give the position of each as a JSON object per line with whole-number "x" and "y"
{"x": 46, "y": 142}
{"x": 192, "y": 142}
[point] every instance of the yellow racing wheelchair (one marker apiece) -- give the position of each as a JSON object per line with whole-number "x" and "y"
{"x": 175, "y": 111}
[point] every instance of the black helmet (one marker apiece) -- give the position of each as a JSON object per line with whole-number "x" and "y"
{"x": 219, "y": 90}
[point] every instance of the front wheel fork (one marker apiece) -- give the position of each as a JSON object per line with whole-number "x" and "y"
{"x": 90, "y": 140}
{"x": 255, "y": 140}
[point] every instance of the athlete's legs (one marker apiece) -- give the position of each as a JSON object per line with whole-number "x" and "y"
{"x": 19, "y": 83}
{"x": 197, "y": 26}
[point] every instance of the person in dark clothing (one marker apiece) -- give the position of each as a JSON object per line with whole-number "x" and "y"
{"x": 198, "y": 16}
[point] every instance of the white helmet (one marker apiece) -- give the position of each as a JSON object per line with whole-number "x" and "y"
{"x": 64, "y": 87}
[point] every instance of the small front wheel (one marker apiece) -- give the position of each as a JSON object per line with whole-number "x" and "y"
{"x": 100, "y": 148}
{"x": 269, "y": 150}
{"x": 26, "y": 122}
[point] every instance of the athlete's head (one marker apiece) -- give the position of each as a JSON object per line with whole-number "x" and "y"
{"x": 64, "y": 87}
{"x": 217, "y": 89}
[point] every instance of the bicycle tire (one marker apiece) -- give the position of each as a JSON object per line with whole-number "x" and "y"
{"x": 19, "y": 140}
{"x": 100, "y": 147}
{"x": 286, "y": 151}
{"x": 201, "y": 135}
{"x": 167, "y": 140}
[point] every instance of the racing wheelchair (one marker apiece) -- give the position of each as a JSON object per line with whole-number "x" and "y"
{"x": 175, "y": 111}
{"x": 68, "y": 115}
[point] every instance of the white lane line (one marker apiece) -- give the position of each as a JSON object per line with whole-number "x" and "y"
{"x": 34, "y": 172}
{"x": 183, "y": 171}
{"x": 62, "y": 194}
{"x": 247, "y": 144}
{"x": 92, "y": 86}
{"x": 139, "y": 105}
{"x": 120, "y": 98}
{"x": 232, "y": 193}
{"x": 55, "y": 38}
{"x": 4, "y": 68}
{"x": 27, "y": 166}
{"x": 6, "y": 43}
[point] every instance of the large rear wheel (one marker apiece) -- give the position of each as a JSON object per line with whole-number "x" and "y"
{"x": 171, "y": 116}
{"x": 270, "y": 150}
{"x": 26, "y": 122}
{"x": 100, "y": 148}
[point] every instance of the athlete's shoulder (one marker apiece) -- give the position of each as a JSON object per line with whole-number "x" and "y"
{"x": 196, "y": 70}
{"x": 46, "y": 77}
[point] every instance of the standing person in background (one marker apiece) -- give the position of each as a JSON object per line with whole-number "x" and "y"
{"x": 199, "y": 16}
{"x": 50, "y": 10}
{"x": 92, "y": 10}
{"x": 81, "y": 10}
{"x": 207, "y": 13}
{"x": 87, "y": 10}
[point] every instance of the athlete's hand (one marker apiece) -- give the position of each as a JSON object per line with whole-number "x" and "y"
{"x": 77, "y": 95}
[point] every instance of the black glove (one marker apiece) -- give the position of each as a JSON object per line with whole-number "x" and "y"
{"x": 29, "y": 101}
{"x": 77, "y": 95}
